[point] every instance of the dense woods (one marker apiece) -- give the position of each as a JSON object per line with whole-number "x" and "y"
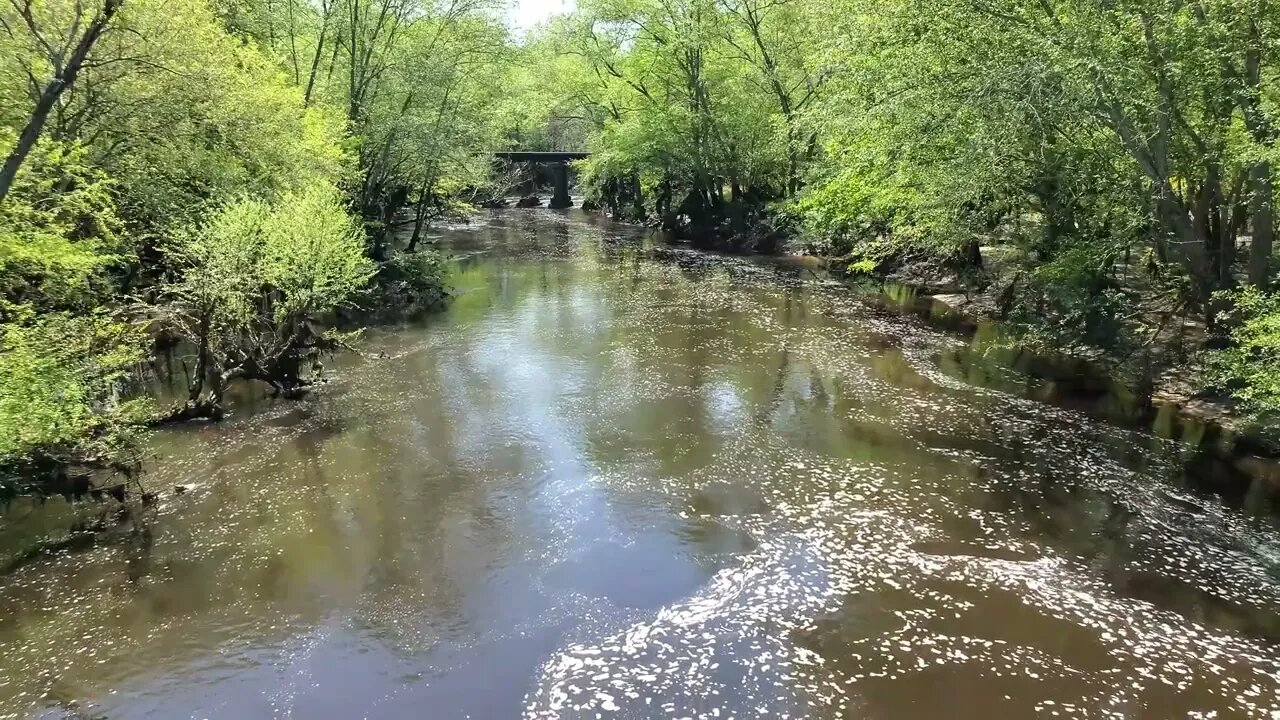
{"x": 225, "y": 178}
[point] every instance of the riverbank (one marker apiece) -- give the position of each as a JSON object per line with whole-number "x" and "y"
{"x": 1171, "y": 406}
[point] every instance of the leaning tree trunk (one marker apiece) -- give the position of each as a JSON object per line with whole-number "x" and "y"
{"x": 315, "y": 62}
{"x": 64, "y": 76}
{"x": 419, "y": 220}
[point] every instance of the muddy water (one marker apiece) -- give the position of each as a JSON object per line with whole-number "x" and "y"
{"x": 618, "y": 480}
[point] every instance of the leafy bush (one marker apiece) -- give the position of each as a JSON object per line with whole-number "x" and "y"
{"x": 62, "y": 394}
{"x": 862, "y": 266}
{"x": 64, "y": 360}
{"x": 1250, "y": 367}
{"x": 414, "y": 279}
{"x": 58, "y": 231}
{"x": 1072, "y": 298}
{"x": 257, "y": 277}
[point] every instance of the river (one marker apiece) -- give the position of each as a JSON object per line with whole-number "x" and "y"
{"x": 620, "y": 479}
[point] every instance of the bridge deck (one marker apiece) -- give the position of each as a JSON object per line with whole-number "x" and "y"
{"x": 542, "y": 156}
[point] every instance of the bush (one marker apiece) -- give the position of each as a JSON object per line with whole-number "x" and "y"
{"x": 414, "y": 279}
{"x": 1250, "y": 367}
{"x": 1073, "y": 299}
{"x": 256, "y": 279}
{"x": 62, "y": 396}
{"x": 58, "y": 232}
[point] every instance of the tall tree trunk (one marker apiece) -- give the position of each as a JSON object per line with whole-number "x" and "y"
{"x": 793, "y": 164}
{"x": 271, "y": 26}
{"x": 1263, "y": 225}
{"x": 1226, "y": 257}
{"x": 293, "y": 45}
{"x": 353, "y": 102}
{"x": 315, "y": 66}
{"x": 1202, "y": 199}
{"x": 64, "y": 76}
{"x": 637, "y": 198}
{"x": 1263, "y": 132}
{"x": 315, "y": 60}
{"x": 333, "y": 57}
{"x": 30, "y": 134}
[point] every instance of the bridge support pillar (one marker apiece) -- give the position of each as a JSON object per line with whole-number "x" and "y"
{"x": 560, "y": 183}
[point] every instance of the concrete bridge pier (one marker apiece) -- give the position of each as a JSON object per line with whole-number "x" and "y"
{"x": 560, "y": 187}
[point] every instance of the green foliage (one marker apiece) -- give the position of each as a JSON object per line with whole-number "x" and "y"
{"x": 134, "y": 202}
{"x": 207, "y": 160}
{"x": 62, "y": 396}
{"x": 854, "y": 210}
{"x": 1088, "y": 145}
{"x": 694, "y": 106}
{"x": 1251, "y": 366}
{"x": 204, "y": 120}
{"x": 862, "y": 266}
{"x": 1073, "y": 299}
{"x": 256, "y": 276}
{"x": 59, "y": 233}
{"x": 415, "y": 278}
{"x": 418, "y": 83}
{"x": 312, "y": 254}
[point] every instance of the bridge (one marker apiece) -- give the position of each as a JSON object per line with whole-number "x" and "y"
{"x": 559, "y": 162}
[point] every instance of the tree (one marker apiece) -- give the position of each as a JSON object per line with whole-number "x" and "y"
{"x": 191, "y": 174}
{"x": 1102, "y": 120}
{"x": 428, "y": 127}
{"x": 770, "y": 36}
{"x": 256, "y": 281}
{"x": 61, "y": 43}
{"x": 688, "y": 130}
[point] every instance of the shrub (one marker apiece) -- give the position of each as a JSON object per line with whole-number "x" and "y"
{"x": 62, "y": 396}
{"x": 414, "y": 279}
{"x": 256, "y": 279}
{"x": 1250, "y": 367}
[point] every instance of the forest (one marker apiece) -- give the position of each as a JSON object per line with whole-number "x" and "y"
{"x": 240, "y": 181}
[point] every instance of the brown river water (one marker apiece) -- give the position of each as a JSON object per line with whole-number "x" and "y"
{"x": 620, "y": 479}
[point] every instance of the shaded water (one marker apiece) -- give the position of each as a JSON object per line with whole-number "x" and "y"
{"x": 617, "y": 480}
